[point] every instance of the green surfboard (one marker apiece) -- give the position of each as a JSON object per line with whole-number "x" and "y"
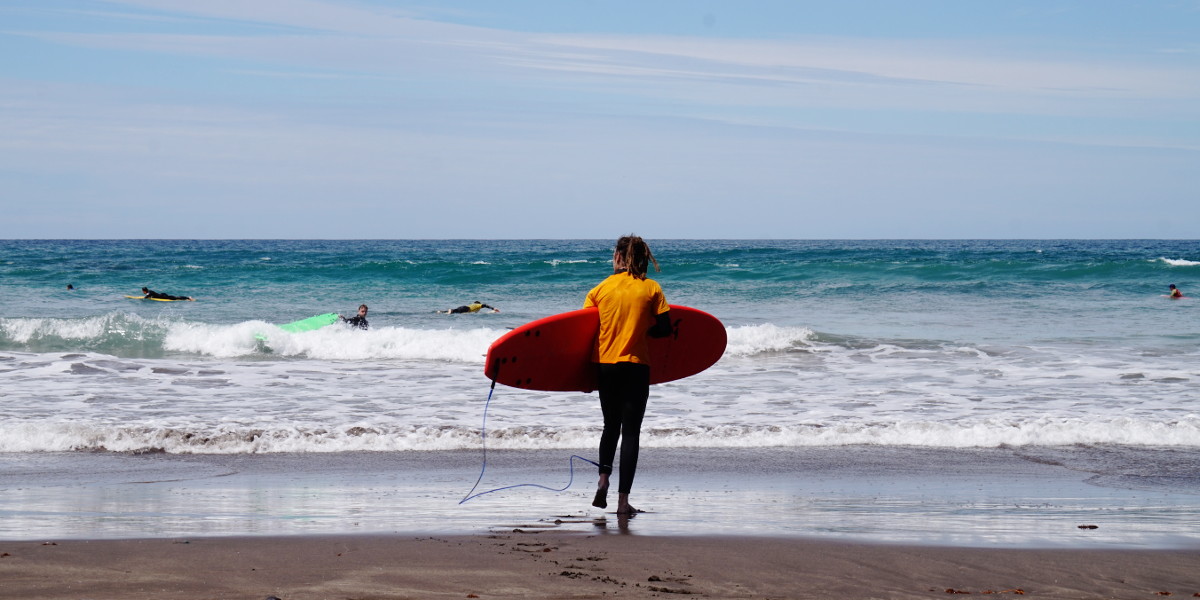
{"x": 308, "y": 324}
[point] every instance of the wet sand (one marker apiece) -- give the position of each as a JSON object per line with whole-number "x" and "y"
{"x": 555, "y": 564}
{"x": 765, "y": 523}
{"x": 1004, "y": 498}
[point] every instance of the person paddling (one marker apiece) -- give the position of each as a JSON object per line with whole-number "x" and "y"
{"x": 359, "y": 320}
{"x": 153, "y": 295}
{"x": 473, "y": 307}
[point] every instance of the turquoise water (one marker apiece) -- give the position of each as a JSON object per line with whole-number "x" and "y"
{"x": 958, "y": 343}
{"x": 749, "y": 280}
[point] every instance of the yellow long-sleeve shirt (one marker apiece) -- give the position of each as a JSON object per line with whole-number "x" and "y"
{"x": 628, "y": 307}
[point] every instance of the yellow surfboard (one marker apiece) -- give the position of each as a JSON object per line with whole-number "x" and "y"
{"x": 159, "y": 299}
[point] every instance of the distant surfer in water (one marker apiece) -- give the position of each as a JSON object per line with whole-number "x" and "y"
{"x": 631, "y": 308}
{"x": 153, "y": 295}
{"x": 1175, "y": 292}
{"x": 473, "y": 307}
{"x": 360, "y": 320}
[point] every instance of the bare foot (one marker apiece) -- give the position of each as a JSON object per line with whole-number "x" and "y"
{"x": 601, "y": 498}
{"x": 623, "y": 506}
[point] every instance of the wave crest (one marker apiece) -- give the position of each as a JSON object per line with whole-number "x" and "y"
{"x": 749, "y": 340}
{"x": 232, "y": 439}
{"x": 131, "y": 336}
{"x": 1179, "y": 262}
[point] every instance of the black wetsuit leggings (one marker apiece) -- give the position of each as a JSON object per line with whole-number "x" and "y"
{"x": 624, "y": 389}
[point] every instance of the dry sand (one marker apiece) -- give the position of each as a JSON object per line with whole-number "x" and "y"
{"x": 556, "y": 564}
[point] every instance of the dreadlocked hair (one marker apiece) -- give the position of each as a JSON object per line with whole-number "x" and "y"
{"x": 635, "y": 255}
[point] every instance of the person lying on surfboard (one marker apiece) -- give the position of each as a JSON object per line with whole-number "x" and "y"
{"x": 631, "y": 308}
{"x": 469, "y": 308}
{"x": 1175, "y": 292}
{"x": 359, "y": 321}
{"x": 153, "y": 295}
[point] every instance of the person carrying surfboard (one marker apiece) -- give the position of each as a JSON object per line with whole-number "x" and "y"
{"x": 631, "y": 308}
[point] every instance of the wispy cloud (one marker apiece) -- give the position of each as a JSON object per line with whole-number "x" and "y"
{"x": 859, "y": 61}
{"x": 254, "y": 105}
{"x": 968, "y": 76}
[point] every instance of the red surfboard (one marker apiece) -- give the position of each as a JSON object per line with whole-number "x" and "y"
{"x": 554, "y": 354}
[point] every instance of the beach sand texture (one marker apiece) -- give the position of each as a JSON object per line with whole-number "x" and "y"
{"x": 549, "y": 564}
{"x": 887, "y": 523}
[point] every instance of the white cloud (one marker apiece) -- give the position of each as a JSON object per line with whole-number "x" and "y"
{"x": 850, "y": 61}
{"x": 407, "y": 118}
{"x": 846, "y": 73}
{"x": 342, "y": 17}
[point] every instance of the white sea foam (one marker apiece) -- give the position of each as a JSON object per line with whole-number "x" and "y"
{"x": 1180, "y": 262}
{"x": 753, "y": 339}
{"x": 24, "y": 330}
{"x": 215, "y": 388}
{"x": 96, "y": 329}
{"x": 267, "y": 438}
{"x": 64, "y": 437}
{"x": 335, "y": 342}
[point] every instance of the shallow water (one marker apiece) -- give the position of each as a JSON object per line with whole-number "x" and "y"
{"x": 977, "y": 497}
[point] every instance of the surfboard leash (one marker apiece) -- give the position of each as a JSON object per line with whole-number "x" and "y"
{"x": 471, "y": 495}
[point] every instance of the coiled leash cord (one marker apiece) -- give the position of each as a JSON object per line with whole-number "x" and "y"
{"x": 471, "y": 495}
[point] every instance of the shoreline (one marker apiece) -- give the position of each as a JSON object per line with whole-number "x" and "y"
{"x": 832, "y": 522}
{"x": 1085, "y": 498}
{"x": 552, "y": 564}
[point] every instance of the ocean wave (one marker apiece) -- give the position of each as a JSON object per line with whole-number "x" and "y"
{"x": 115, "y": 333}
{"x": 132, "y": 336}
{"x": 335, "y": 342}
{"x": 229, "y": 439}
{"x": 748, "y": 340}
{"x": 1179, "y": 262}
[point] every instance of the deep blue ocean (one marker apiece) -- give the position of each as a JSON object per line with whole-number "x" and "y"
{"x": 967, "y": 343}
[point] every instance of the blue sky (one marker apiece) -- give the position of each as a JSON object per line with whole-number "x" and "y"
{"x": 589, "y": 119}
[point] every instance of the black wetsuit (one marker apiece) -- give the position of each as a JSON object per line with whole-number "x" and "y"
{"x": 466, "y": 309}
{"x": 355, "y": 321}
{"x": 624, "y": 390}
{"x": 156, "y": 295}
